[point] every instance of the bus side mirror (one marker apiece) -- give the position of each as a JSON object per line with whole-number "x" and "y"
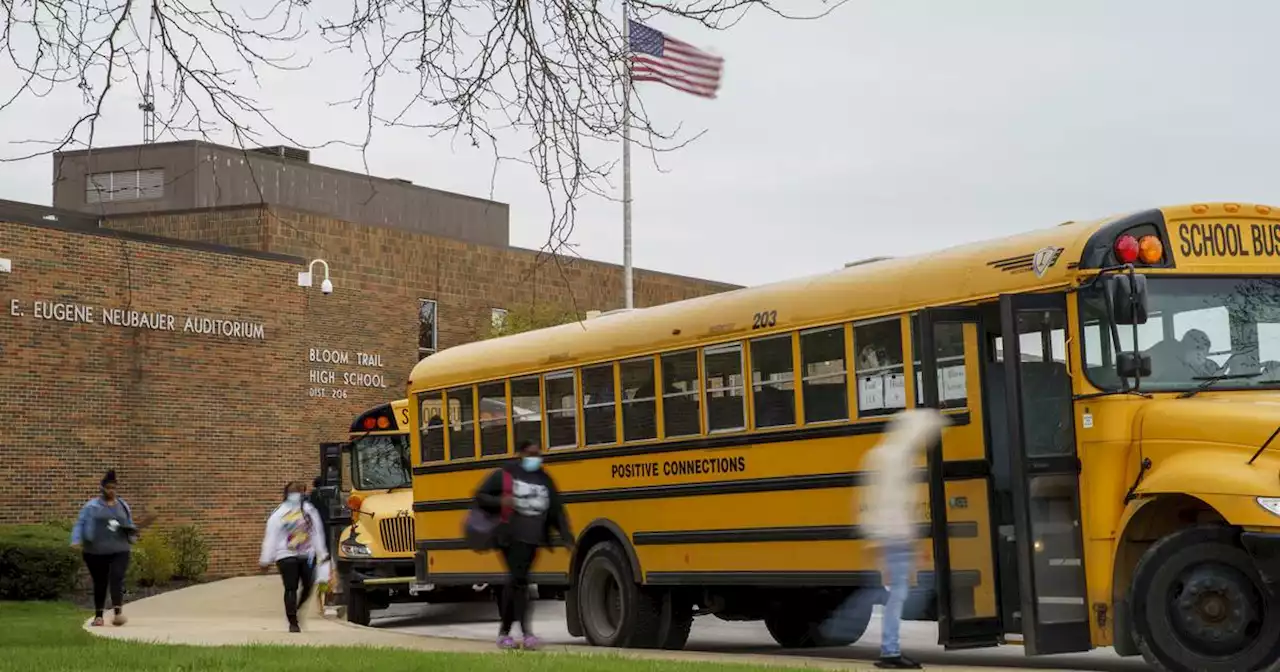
{"x": 1128, "y": 294}
{"x": 1133, "y": 365}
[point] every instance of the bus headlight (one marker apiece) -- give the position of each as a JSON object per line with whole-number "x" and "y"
{"x": 354, "y": 549}
{"x": 1271, "y": 504}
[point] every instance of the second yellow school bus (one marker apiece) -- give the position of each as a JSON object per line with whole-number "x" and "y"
{"x": 1110, "y": 477}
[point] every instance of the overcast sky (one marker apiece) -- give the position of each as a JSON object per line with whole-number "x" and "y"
{"x": 890, "y": 127}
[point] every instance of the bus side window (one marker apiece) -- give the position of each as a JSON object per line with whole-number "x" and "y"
{"x": 726, "y": 389}
{"x": 526, "y": 409}
{"x": 680, "y": 407}
{"x": 598, "y": 407}
{"x": 562, "y": 410}
{"x": 639, "y": 405}
{"x": 773, "y": 390}
{"x": 432, "y": 433}
{"x": 462, "y": 434}
{"x": 878, "y": 365}
{"x": 948, "y": 342}
{"x": 493, "y": 419}
{"x": 826, "y": 390}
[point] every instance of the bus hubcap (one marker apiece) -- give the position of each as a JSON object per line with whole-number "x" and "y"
{"x": 1214, "y": 609}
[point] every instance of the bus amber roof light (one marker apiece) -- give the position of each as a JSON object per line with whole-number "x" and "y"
{"x": 1126, "y": 249}
{"x": 1150, "y": 250}
{"x": 383, "y": 423}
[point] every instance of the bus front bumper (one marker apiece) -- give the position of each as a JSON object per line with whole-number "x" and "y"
{"x": 373, "y": 573}
{"x": 1264, "y": 548}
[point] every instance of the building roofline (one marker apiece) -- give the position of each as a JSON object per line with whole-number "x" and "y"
{"x": 76, "y": 222}
{"x": 249, "y": 152}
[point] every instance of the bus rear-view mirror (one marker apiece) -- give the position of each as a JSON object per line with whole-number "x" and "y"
{"x": 1133, "y": 365}
{"x": 1128, "y": 294}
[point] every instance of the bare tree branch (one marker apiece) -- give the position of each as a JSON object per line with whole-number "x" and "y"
{"x": 538, "y": 82}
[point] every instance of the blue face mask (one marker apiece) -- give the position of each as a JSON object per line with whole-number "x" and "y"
{"x": 294, "y": 498}
{"x": 531, "y": 462}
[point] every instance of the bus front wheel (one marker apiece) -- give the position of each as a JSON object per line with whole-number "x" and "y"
{"x": 358, "y": 611}
{"x": 1200, "y": 605}
{"x": 616, "y": 611}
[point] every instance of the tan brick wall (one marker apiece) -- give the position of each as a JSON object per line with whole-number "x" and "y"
{"x": 206, "y": 428}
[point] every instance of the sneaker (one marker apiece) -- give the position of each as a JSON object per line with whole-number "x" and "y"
{"x": 505, "y": 642}
{"x": 898, "y": 662}
{"x": 294, "y": 627}
{"x": 97, "y": 622}
{"x": 119, "y": 620}
{"x": 531, "y": 643}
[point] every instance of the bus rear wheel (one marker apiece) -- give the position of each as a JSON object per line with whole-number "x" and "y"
{"x": 1199, "y": 605}
{"x": 616, "y": 611}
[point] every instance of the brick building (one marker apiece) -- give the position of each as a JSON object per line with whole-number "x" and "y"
{"x": 177, "y": 348}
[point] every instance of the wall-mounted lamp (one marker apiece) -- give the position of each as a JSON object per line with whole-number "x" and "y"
{"x": 6, "y": 265}
{"x": 304, "y": 277}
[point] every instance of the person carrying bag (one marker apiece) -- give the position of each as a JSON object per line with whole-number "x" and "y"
{"x": 516, "y": 509}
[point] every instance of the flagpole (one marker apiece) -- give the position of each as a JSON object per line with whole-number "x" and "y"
{"x": 626, "y": 157}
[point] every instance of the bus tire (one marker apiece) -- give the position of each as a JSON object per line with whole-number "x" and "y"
{"x": 677, "y": 620}
{"x": 1199, "y": 605}
{"x": 358, "y": 611}
{"x": 616, "y": 611}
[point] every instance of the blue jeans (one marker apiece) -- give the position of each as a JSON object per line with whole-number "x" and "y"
{"x": 898, "y": 559}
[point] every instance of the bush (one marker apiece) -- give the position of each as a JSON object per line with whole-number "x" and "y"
{"x": 37, "y": 562}
{"x": 190, "y": 552}
{"x": 151, "y": 562}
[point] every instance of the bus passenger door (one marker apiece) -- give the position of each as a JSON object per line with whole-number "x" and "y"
{"x": 331, "y": 487}
{"x": 1045, "y": 473}
{"x": 960, "y": 480}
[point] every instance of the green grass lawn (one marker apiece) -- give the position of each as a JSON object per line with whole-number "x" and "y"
{"x": 48, "y": 637}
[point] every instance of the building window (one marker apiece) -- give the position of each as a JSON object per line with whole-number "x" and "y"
{"x": 124, "y": 185}
{"x": 639, "y": 401}
{"x": 825, "y": 388}
{"x": 772, "y": 381}
{"x": 562, "y": 410}
{"x": 598, "y": 405}
{"x": 680, "y": 407}
{"x": 426, "y": 327}
{"x": 726, "y": 392}
{"x": 498, "y": 318}
{"x": 526, "y": 409}
{"x": 881, "y": 383}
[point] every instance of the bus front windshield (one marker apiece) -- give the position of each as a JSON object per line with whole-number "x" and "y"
{"x": 381, "y": 462}
{"x": 1197, "y": 329}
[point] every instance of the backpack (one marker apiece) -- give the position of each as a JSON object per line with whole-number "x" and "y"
{"x": 480, "y": 529}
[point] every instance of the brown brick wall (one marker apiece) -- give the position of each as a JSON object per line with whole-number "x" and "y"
{"x": 206, "y": 428}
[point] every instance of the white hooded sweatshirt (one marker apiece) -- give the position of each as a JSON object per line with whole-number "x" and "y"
{"x": 892, "y": 497}
{"x": 294, "y": 531}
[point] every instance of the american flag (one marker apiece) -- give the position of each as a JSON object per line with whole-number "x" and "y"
{"x": 656, "y": 57}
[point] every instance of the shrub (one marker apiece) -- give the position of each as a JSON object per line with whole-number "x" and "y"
{"x": 190, "y": 552}
{"x": 151, "y": 562}
{"x": 36, "y": 562}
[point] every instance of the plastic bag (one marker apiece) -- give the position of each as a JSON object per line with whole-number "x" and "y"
{"x": 322, "y": 573}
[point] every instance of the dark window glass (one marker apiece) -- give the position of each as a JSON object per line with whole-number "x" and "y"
{"x": 526, "y": 409}
{"x": 882, "y": 385}
{"x": 598, "y": 405}
{"x": 726, "y": 391}
{"x": 462, "y": 419}
{"x": 639, "y": 405}
{"x": 773, "y": 387}
{"x": 826, "y": 387}
{"x": 680, "y": 406}
{"x": 493, "y": 419}
{"x": 562, "y": 410}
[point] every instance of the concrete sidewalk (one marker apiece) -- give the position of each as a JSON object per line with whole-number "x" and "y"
{"x": 249, "y": 610}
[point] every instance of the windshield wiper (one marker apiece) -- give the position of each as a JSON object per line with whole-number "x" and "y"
{"x": 1209, "y": 381}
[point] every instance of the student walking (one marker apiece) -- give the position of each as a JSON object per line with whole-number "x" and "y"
{"x": 104, "y": 531}
{"x": 529, "y": 502}
{"x": 294, "y": 542}
{"x": 892, "y": 499}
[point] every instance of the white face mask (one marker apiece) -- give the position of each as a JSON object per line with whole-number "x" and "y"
{"x": 295, "y": 498}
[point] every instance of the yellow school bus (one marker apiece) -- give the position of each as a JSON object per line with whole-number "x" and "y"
{"x": 1110, "y": 475}
{"x": 375, "y": 552}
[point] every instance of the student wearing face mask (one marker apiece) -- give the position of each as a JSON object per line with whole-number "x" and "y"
{"x": 294, "y": 542}
{"x": 527, "y": 498}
